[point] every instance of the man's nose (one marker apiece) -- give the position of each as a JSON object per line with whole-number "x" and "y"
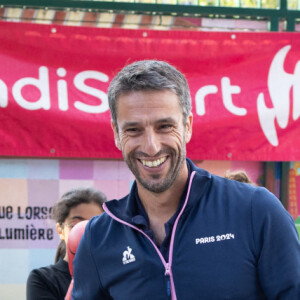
{"x": 151, "y": 142}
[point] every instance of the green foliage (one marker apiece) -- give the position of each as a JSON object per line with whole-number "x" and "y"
{"x": 270, "y": 4}
{"x": 293, "y": 4}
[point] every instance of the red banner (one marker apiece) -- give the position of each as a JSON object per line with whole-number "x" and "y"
{"x": 245, "y": 89}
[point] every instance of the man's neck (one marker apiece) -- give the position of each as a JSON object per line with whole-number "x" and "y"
{"x": 160, "y": 207}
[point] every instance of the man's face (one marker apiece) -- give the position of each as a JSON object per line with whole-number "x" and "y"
{"x": 152, "y": 136}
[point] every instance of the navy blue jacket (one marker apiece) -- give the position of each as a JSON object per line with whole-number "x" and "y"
{"x": 230, "y": 241}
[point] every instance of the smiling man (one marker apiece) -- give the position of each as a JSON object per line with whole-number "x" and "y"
{"x": 181, "y": 233}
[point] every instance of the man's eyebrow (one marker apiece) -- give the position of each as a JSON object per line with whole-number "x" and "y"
{"x": 127, "y": 124}
{"x": 165, "y": 120}
{"x": 130, "y": 124}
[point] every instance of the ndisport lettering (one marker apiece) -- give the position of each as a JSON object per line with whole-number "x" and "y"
{"x": 42, "y": 85}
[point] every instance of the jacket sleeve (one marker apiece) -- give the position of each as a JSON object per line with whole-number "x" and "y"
{"x": 37, "y": 289}
{"x": 277, "y": 247}
{"x": 87, "y": 284}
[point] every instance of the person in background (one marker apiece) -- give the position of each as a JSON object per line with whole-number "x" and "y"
{"x": 181, "y": 233}
{"x": 240, "y": 176}
{"x": 76, "y": 205}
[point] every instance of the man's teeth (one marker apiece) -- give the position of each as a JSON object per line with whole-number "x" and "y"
{"x": 154, "y": 163}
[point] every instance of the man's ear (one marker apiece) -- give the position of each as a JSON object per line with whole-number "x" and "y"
{"x": 188, "y": 128}
{"x": 116, "y": 135}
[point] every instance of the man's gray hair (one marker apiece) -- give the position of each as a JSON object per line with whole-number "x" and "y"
{"x": 147, "y": 75}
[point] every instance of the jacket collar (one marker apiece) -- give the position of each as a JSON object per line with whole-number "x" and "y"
{"x": 126, "y": 209}
{"x": 200, "y": 185}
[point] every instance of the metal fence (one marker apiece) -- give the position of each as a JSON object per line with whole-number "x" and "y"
{"x": 274, "y": 11}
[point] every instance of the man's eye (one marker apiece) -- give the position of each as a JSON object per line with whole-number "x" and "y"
{"x": 133, "y": 131}
{"x": 166, "y": 126}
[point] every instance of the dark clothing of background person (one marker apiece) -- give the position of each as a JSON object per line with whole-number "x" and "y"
{"x": 49, "y": 283}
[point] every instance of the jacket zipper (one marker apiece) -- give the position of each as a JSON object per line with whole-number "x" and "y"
{"x": 167, "y": 274}
{"x": 167, "y": 266}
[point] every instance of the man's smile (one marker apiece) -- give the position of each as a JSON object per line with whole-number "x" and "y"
{"x": 153, "y": 163}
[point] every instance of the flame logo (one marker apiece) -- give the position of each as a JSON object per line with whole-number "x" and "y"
{"x": 280, "y": 84}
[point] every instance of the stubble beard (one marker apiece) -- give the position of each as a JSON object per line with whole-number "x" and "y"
{"x": 176, "y": 163}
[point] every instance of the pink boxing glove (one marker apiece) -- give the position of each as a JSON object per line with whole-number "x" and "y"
{"x": 73, "y": 242}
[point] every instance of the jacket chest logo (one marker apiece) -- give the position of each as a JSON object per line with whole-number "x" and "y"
{"x": 128, "y": 257}
{"x": 213, "y": 239}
